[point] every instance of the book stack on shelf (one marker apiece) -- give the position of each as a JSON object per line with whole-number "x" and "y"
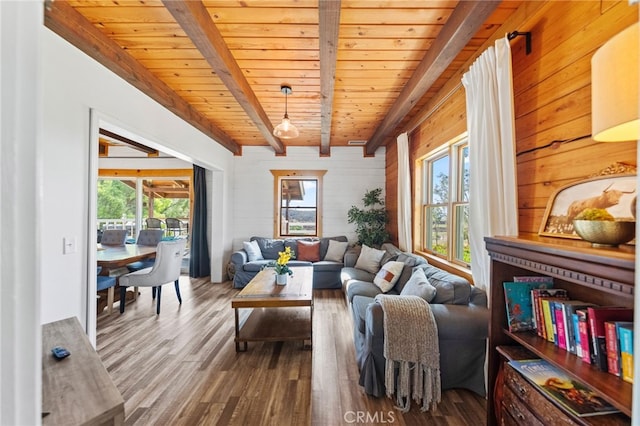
{"x": 599, "y": 335}
{"x": 573, "y": 395}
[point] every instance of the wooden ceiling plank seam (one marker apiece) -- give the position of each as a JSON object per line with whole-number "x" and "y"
{"x": 72, "y": 26}
{"x": 196, "y": 21}
{"x": 463, "y": 23}
{"x": 329, "y": 27}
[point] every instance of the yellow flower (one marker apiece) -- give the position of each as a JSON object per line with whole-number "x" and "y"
{"x": 284, "y": 256}
{"x": 281, "y": 264}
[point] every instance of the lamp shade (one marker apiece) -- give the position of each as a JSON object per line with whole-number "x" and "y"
{"x": 614, "y": 88}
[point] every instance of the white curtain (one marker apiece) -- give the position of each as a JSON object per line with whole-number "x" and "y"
{"x": 404, "y": 194}
{"x": 493, "y": 204}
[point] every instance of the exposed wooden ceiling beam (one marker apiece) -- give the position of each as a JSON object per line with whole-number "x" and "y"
{"x": 329, "y": 20}
{"x": 195, "y": 20}
{"x": 463, "y": 23}
{"x": 69, "y": 24}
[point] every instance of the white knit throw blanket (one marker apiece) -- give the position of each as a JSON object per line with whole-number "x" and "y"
{"x": 411, "y": 346}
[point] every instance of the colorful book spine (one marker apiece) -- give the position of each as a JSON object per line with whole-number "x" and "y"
{"x": 548, "y": 322}
{"x": 625, "y": 332}
{"x": 536, "y": 296}
{"x": 561, "y": 334}
{"x": 568, "y": 309}
{"x": 598, "y": 315}
{"x": 576, "y": 334}
{"x": 611, "y": 344}
{"x": 583, "y": 329}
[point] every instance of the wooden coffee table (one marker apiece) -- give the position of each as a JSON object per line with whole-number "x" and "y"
{"x": 279, "y": 312}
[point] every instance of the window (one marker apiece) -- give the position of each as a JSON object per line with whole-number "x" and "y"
{"x": 298, "y": 201}
{"x": 445, "y": 205}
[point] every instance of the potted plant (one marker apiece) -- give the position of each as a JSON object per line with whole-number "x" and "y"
{"x": 281, "y": 266}
{"x": 371, "y": 222}
{"x": 600, "y": 228}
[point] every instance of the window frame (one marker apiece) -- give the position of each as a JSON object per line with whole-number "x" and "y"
{"x": 280, "y": 175}
{"x": 453, "y": 149}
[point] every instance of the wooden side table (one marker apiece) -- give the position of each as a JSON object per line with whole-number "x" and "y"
{"x": 76, "y": 390}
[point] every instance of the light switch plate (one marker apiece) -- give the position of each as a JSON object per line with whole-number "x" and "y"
{"x": 69, "y": 245}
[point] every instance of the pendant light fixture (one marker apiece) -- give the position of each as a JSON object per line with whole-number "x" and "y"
{"x": 285, "y": 130}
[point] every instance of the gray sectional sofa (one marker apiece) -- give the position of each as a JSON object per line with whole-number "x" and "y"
{"x": 460, "y": 311}
{"x": 326, "y": 273}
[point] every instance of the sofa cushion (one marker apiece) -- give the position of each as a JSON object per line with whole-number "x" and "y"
{"x": 336, "y": 250}
{"x": 450, "y": 288}
{"x": 419, "y": 285}
{"x": 409, "y": 262}
{"x": 361, "y": 288}
{"x": 359, "y": 307}
{"x": 369, "y": 259}
{"x": 348, "y": 274}
{"x": 269, "y": 247}
{"x": 324, "y": 244}
{"x": 388, "y": 275}
{"x": 309, "y": 251}
{"x": 327, "y": 266}
{"x": 256, "y": 265}
{"x": 253, "y": 250}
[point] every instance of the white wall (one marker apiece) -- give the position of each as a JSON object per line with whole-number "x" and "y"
{"x": 73, "y": 85}
{"x": 20, "y": 357}
{"x": 349, "y": 175}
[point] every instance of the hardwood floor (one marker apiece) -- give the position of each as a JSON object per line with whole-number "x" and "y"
{"x": 181, "y": 368}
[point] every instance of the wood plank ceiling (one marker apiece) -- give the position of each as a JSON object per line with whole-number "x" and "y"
{"x": 360, "y": 70}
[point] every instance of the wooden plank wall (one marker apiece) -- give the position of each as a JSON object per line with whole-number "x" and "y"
{"x": 552, "y": 88}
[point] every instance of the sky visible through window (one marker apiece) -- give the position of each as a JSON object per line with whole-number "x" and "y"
{"x": 309, "y": 198}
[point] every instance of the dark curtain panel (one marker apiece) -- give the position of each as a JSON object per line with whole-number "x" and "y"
{"x": 199, "y": 264}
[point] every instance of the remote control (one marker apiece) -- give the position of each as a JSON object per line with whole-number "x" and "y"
{"x": 59, "y": 352}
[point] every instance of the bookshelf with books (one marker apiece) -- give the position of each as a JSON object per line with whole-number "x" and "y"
{"x": 602, "y": 277}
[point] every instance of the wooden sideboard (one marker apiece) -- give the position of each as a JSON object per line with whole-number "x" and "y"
{"x": 76, "y": 390}
{"x": 601, "y": 276}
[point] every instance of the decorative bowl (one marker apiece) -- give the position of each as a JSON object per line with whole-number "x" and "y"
{"x": 605, "y": 232}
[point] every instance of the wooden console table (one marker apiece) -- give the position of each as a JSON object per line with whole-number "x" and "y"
{"x": 601, "y": 276}
{"x": 76, "y": 390}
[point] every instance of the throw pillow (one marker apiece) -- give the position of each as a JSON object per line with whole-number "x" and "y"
{"x": 253, "y": 250}
{"x": 336, "y": 250}
{"x": 309, "y": 251}
{"x": 369, "y": 259}
{"x": 388, "y": 275}
{"x": 419, "y": 285}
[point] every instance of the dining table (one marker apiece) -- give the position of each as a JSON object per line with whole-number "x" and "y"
{"x": 112, "y": 258}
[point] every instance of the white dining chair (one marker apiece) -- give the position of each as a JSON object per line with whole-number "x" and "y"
{"x": 165, "y": 270}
